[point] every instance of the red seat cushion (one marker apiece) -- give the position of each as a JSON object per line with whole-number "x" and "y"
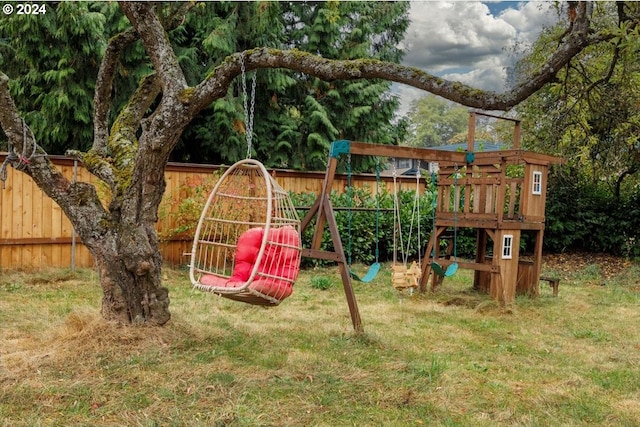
{"x": 247, "y": 250}
{"x": 213, "y": 280}
{"x": 279, "y": 266}
{"x": 280, "y": 259}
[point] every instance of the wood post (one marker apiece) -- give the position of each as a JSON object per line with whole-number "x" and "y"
{"x": 322, "y": 210}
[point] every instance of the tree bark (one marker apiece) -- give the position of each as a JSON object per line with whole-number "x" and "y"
{"x": 131, "y": 279}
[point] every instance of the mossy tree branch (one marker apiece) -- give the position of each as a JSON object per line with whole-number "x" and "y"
{"x": 79, "y": 200}
{"x": 123, "y": 142}
{"x": 104, "y": 87}
{"x": 217, "y": 83}
{"x": 102, "y": 95}
{"x": 144, "y": 19}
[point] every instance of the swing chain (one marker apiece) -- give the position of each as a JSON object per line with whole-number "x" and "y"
{"x": 248, "y": 112}
{"x": 415, "y": 212}
{"x": 456, "y": 200}
{"x": 397, "y": 227}
{"x": 418, "y": 174}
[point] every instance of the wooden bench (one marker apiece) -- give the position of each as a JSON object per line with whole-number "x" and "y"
{"x": 554, "y": 282}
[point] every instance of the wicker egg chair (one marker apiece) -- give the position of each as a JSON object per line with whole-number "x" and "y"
{"x": 247, "y": 245}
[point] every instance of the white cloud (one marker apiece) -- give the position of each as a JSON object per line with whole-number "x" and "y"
{"x": 443, "y": 35}
{"x": 465, "y": 41}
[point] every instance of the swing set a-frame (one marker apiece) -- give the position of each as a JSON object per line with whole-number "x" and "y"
{"x": 473, "y": 191}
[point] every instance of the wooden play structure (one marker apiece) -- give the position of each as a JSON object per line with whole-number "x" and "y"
{"x": 500, "y": 194}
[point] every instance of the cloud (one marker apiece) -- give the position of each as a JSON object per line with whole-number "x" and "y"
{"x": 530, "y": 19}
{"x": 469, "y": 41}
{"x": 443, "y": 35}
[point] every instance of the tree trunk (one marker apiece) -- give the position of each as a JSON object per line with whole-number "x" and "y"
{"x": 131, "y": 277}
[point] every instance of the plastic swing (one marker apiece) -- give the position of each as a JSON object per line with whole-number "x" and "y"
{"x": 374, "y": 268}
{"x": 247, "y": 244}
{"x": 403, "y": 276}
{"x": 453, "y": 267}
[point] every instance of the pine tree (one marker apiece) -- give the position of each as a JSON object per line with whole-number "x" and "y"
{"x": 296, "y": 116}
{"x": 52, "y": 83}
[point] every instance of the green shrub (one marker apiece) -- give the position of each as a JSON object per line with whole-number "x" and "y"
{"x": 583, "y": 216}
{"x": 358, "y": 228}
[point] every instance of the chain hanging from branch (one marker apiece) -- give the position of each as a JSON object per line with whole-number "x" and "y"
{"x": 248, "y": 112}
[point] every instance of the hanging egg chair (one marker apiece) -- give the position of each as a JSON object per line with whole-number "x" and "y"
{"x": 247, "y": 244}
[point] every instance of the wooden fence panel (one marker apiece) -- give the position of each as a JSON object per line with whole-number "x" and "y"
{"x": 35, "y": 233}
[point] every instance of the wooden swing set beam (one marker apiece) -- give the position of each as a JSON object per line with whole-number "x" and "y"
{"x": 511, "y": 156}
{"x": 401, "y": 152}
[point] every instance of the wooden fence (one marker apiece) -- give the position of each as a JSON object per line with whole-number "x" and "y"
{"x": 35, "y": 233}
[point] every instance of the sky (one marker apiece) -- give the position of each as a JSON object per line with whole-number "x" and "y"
{"x": 469, "y": 41}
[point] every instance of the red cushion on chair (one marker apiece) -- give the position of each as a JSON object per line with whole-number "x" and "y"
{"x": 279, "y": 259}
{"x": 213, "y": 280}
{"x": 247, "y": 249}
{"x": 274, "y": 288}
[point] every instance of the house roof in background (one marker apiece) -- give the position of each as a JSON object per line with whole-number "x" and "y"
{"x": 478, "y": 146}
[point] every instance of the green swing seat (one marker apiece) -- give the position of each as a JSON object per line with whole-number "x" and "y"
{"x": 371, "y": 274}
{"x": 450, "y": 271}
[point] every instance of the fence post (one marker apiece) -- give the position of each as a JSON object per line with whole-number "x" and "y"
{"x": 73, "y": 229}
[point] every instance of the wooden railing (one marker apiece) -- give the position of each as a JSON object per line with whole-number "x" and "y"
{"x": 478, "y": 198}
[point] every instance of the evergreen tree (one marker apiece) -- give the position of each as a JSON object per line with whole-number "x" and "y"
{"x": 52, "y": 83}
{"x": 297, "y": 116}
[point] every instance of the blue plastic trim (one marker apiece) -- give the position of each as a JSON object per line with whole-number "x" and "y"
{"x": 341, "y": 146}
{"x": 470, "y": 157}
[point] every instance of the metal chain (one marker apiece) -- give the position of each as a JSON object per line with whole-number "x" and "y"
{"x": 248, "y": 111}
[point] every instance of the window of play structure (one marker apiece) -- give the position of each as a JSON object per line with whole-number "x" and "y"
{"x": 507, "y": 246}
{"x": 537, "y": 183}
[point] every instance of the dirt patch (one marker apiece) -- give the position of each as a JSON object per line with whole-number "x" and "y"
{"x": 571, "y": 263}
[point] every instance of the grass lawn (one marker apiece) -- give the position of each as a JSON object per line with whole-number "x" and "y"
{"x": 453, "y": 358}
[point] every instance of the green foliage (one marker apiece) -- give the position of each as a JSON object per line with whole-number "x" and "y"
{"x": 587, "y": 217}
{"x": 52, "y": 65}
{"x": 433, "y": 121}
{"x": 321, "y": 283}
{"x": 54, "y": 62}
{"x": 296, "y": 117}
{"x": 358, "y": 228}
{"x": 589, "y": 115}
